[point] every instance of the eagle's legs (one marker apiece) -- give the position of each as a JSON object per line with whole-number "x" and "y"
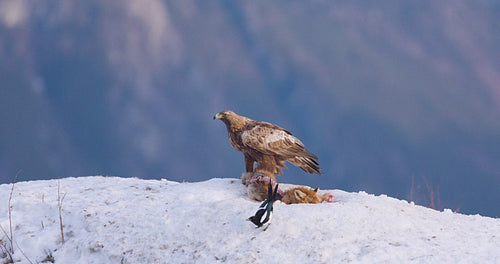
{"x": 267, "y": 166}
{"x": 249, "y": 163}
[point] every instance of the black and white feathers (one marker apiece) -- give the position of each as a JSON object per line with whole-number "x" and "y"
{"x": 264, "y": 214}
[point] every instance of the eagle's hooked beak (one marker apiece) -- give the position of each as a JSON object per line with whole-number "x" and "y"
{"x": 218, "y": 116}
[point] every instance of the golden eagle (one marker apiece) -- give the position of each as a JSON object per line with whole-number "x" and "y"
{"x": 267, "y": 144}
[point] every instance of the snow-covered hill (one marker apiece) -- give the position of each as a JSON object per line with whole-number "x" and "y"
{"x": 128, "y": 220}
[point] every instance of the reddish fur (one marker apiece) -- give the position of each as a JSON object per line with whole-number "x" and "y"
{"x": 305, "y": 194}
{"x": 301, "y": 194}
{"x": 256, "y": 191}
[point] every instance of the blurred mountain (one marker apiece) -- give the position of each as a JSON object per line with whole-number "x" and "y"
{"x": 379, "y": 91}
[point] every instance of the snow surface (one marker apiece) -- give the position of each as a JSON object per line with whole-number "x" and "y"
{"x": 129, "y": 220}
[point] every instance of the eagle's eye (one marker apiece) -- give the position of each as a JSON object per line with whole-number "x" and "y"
{"x": 220, "y": 115}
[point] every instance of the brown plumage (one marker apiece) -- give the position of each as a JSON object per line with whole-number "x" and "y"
{"x": 267, "y": 145}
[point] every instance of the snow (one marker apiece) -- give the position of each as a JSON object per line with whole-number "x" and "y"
{"x": 129, "y": 220}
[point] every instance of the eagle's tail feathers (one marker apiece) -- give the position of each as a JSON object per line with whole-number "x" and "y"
{"x": 307, "y": 164}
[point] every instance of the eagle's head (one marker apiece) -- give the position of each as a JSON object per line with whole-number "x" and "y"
{"x": 232, "y": 120}
{"x": 228, "y": 114}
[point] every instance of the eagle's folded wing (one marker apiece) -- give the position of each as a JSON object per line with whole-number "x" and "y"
{"x": 273, "y": 140}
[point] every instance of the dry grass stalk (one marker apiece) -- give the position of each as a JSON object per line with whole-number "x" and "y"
{"x": 59, "y": 205}
{"x": 10, "y": 213}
